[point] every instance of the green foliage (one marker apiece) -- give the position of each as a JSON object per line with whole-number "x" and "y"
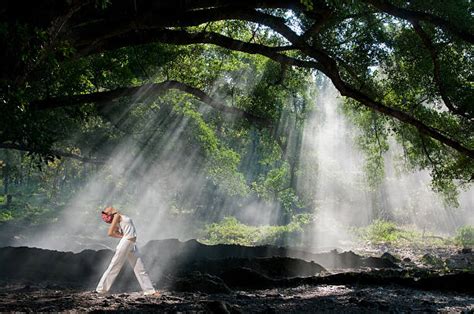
{"x": 383, "y": 231}
{"x": 221, "y": 162}
{"x": 308, "y": 4}
{"x": 385, "y": 57}
{"x": 249, "y": 82}
{"x": 465, "y": 236}
{"x": 5, "y": 215}
{"x": 450, "y": 173}
{"x": 373, "y": 140}
{"x": 274, "y": 185}
{"x": 232, "y": 231}
{"x": 388, "y": 232}
{"x": 377, "y": 54}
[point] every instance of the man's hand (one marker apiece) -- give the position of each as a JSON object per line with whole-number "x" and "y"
{"x": 118, "y": 233}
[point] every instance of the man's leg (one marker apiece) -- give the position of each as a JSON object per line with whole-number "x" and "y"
{"x": 139, "y": 269}
{"x": 114, "y": 268}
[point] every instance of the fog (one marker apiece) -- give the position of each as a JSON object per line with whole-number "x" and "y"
{"x": 343, "y": 197}
{"x": 151, "y": 174}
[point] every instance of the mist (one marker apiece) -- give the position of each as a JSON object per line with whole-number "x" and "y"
{"x": 343, "y": 198}
{"x": 160, "y": 179}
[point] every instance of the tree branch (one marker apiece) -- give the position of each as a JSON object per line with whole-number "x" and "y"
{"x": 57, "y": 26}
{"x": 411, "y": 15}
{"x": 142, "y": 92}
{"x": 51, "y": 152}
{"x": 180, "y": 37}
{"x": 427, "y": 154}
{"x": 329, "y": 66}
{"x": 437, "y": 70}
{"x": 317, "y": 26}
{"x": 112, "y": 28}
{"x": 325, "y": 63}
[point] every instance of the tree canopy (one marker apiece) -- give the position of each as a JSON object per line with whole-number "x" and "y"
{"x": 71, "y": 67}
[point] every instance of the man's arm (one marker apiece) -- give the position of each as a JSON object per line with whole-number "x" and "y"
{"x": 114, "y": 230}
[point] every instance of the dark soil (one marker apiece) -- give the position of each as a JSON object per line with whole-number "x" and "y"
{"x": 303, "y": 299}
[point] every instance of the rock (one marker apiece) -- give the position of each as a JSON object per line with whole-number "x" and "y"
{"x": 27, "y": 288}
{"x": 466, "y": 250}
{"x": 243, "y": 296}
{"x": 268, "y": 310}
{"x": 407, "y": 260}
{"x": 390, "y": 257}
{"x": 364, "y": 303}
{"x": 452, "y": 264}
{"x": 384, "y": 307}
{"x": 432, "y": 260}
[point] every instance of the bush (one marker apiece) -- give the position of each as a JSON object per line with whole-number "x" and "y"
{"x": 5, "y": 216}
{"x": 232, "y": 231}
{"x": 383, "y": 231}
{"x": 465, "y": 236}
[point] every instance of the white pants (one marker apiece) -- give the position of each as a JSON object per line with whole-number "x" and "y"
{"x": 126, "y": 249}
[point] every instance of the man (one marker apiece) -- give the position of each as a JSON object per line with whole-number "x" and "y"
{"x": 121, "y": 226}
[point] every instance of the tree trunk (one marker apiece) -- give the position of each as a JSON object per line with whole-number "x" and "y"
{"x": 6, "y": 181}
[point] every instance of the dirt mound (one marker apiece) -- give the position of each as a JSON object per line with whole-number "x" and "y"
{"x": 168, "y": 261}
{"x": 273, "y": 267}
{"x": 163, "y": 259}
{"x": 172, "y": 251}
{"x": 39, "y": 265}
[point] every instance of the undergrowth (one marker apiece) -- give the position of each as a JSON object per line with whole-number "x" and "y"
{"x": 465, "y": 236}
{"x": 388, "y": 232}
{"x": 232, "y": 231}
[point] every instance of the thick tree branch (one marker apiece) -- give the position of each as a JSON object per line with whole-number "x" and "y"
{"x": 329, "y": 67}
{"x": 317, "y": 26}
{"x": 411, "y": 15}
{"x": 99, "y": 31}
{"x": 51, "y": 152}
{"x": 55, "y": 29}
{"x": 437, "y": 70}
{"x": 142, "y": 92}
{"x": 325, "y": 63}
{"x": 180, "y": 37}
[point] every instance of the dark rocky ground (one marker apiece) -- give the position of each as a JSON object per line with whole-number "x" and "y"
{"x": 302, "y": 299}
{"x": 193, "y": 277}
